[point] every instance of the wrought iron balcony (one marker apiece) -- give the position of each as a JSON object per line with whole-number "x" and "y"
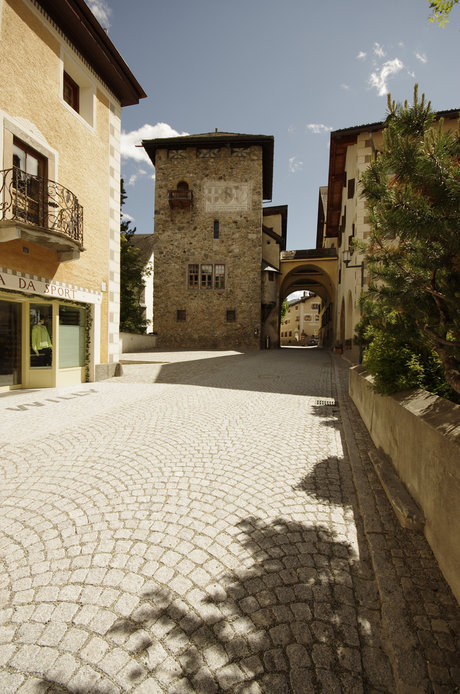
{"x": 180, "y": 198}
{"x": 41, "y": 211}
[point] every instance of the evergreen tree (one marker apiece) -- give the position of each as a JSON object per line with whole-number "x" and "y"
{"x": 441, "y": 10}
{"x": 132, "y": 273}
{"x": 411, "y": 313}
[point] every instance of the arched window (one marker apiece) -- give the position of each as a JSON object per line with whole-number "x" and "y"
{"x": 181, "y": 196}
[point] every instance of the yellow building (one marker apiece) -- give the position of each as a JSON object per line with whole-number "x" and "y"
{"x": 302, "y": 321}
{"x": 343, "y": 219}
{"x": 61, "y": 95}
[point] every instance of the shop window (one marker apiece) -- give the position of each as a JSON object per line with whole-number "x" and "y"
{"x": 71, "y": 336}
{"x": 10, "y": 343}
{"x": 41, "y": 335}
{"x": 193, "y": 276}
{"x": 219, "y": 276}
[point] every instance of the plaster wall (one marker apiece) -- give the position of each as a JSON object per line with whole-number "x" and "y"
{"x": 81, "y": 152}
{"x": 420, "y": 433}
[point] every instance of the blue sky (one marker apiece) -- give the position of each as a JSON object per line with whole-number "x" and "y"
{"x": 289, "y": 68}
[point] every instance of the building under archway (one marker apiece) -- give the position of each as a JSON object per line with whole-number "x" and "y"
{"x": 315, "y": 271}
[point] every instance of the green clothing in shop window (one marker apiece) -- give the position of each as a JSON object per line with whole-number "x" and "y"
{"x": 40, "y": 337}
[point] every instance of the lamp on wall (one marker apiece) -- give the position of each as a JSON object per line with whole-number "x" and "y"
{"x": 347, "y": 259}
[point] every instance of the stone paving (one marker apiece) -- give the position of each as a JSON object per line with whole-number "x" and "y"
{"x": 193, "y": 526}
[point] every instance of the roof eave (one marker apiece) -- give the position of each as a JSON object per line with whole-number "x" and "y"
{"x": 182, "y": 141}
{"x": 81, "y": 27}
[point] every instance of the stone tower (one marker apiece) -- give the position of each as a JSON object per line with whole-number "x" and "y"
{"x": 209, "y": 191}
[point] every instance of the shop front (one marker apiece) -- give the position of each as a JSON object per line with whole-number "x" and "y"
{"x": 46, "y": 332}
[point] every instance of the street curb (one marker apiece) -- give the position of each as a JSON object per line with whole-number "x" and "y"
{"x": 409, "y": 667}
{"x": 406, "y": 510}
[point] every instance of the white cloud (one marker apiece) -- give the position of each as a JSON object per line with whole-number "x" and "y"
{"x": 130, "y": 144}
{"x": 295, "y": 165}
{"x": 422, "y": 57}
{"x": 378, "y": 50}
{"x": 379, "y": 78}
{"x": 291, "y": 129}
{"x": 101, "y": 11}
{"x": 318, "y": 128}
{"x": 127, "y": 217}
{"x": 361, "y": 55}
{"x": 344, "y": 86}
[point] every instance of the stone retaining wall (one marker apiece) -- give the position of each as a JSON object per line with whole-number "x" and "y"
{"x": 420, "y": 433}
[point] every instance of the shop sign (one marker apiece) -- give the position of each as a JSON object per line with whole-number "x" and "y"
{"x": 49, "y": 289}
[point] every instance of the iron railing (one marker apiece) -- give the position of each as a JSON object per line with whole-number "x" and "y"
{"x": 180, "y": 197}
{"x": 40, "y": 202}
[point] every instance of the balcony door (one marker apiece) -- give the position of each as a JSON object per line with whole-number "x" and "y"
{"x": 29, "y": 189}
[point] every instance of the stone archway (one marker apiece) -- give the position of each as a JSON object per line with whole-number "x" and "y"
{"x": 314, "y": 271}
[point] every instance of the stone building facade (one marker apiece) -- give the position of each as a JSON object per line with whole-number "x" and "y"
{"x": 208, "y": 238}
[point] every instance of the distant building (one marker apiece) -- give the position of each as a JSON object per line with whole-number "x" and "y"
{"x": 144, "y": 242}
{"x": 343, "y": 219}
{"x": 216, "y": 249}
{"x": 63, "y": 87}
{"x": 302, "y": 320}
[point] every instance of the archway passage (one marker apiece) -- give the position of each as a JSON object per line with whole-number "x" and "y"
{"x": 313, "y": 271}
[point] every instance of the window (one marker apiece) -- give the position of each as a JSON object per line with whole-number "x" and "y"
{"x": 29, "y": 191}
{"x": 231, "y": 316}
{"x": 78, "y": 90}
{"x": 71, "y": 92}
{"x": 10, "y": 343}
{"x": 351, "y": 187}
{"x": 219, "y": 276}
{"x": 41, "y": 335}
{"x": 271, "y": 276}
{"x": 206, "y": 276}
{"x": 315, "y": 306}
{"x": 216, "y": 228}
{"x": 181, "y": 315}
{"x": 71, "y": 336}
{"x": 193, "y": 272}
{"x": 181, "y": 197}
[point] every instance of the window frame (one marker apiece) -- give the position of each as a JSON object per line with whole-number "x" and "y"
{"x": 194, "y": 276}
{"x": 219, "y": 278}
{"x": 206, "y": 276}
{"x": 68, "y": 82}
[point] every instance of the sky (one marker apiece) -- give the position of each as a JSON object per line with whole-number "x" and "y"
{"x": 294, "y": 69}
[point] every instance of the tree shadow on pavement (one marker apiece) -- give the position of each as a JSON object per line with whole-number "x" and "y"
{"x": 288, "y": 620}
{"x": 324, "y": 476}
{"x": 287, "y": 623}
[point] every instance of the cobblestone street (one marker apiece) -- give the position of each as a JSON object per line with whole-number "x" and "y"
{"x": 210, "y": 522}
